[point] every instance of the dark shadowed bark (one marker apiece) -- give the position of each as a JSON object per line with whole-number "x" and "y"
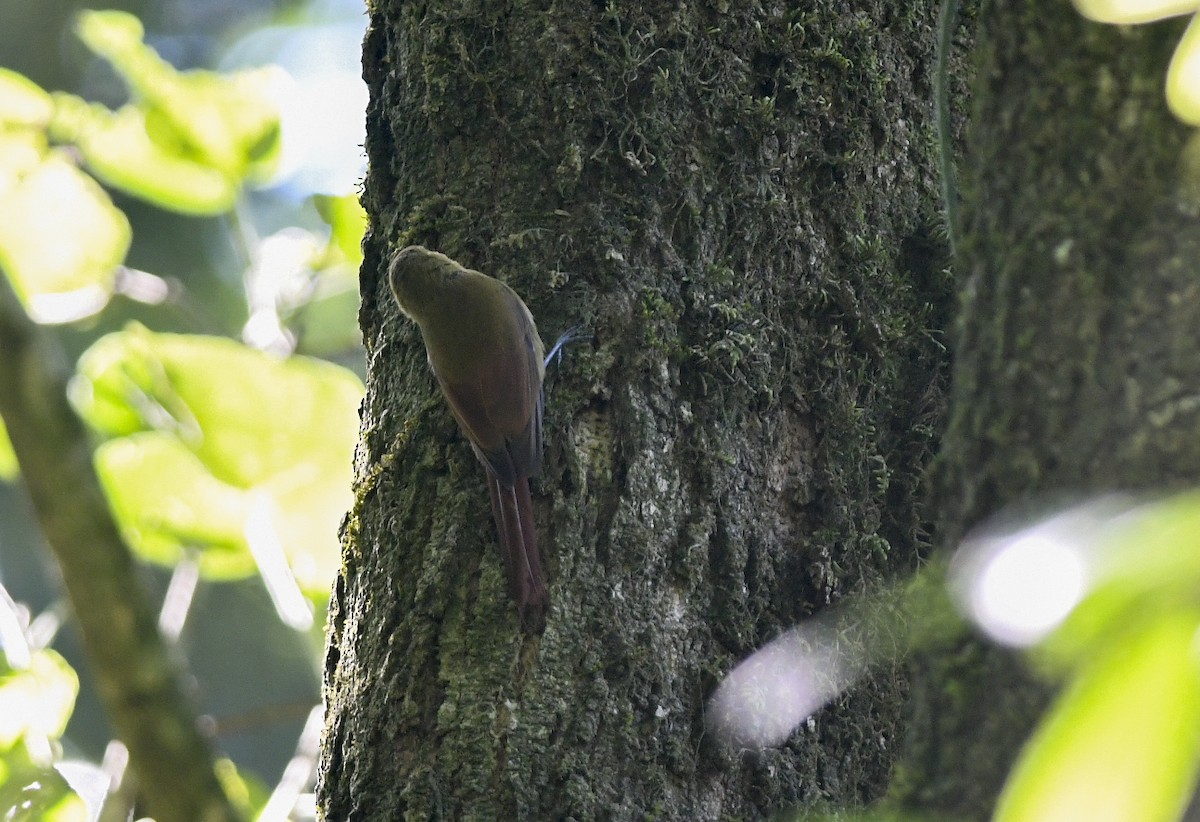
{"x": 1077, "y": 357}
{"x": 738, "y": 202}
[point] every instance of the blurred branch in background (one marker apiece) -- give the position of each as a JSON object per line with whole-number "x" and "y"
{"x": 138, "y": 681}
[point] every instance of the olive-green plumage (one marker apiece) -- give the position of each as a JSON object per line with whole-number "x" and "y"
{"x": 487, "y": 356}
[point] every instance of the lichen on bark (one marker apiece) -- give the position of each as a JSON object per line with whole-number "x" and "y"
{"x": 739, "y": 205}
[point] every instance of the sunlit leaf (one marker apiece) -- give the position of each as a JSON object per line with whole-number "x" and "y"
{"x": 347, "y": 222}
{"x": 64, "y": 805}
{"x": 21, "y": 152}
{"x": 1123, "y": 741}
{"x": 310, "y": 283}
{"x": 258, "y": 425}
{"x": 1128, "y": 12}
{"x": 8, "y": 460}
{"x": 167, "y": 502}
{"x": 226, "y": 122}
{"x": 61, "y": 239}
{"x": 1154, "y": 545}
{"x": 36, "y": 701}
{"x": 37, "y": 793}
{"x": 246, "y": 791}
{"x": 1145, "y": 557}
{"x": 328, "y": 322}
{"x": 22, "y": 101}
{"x": 1183, "y": 76}
{"x": 119, "y": 150}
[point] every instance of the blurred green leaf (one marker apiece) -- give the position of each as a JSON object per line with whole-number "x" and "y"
{"x": 8, "y": 460}
{"x": 21, "y": 152}
{"x": 167, "y": 502}
{"x": 1154, "y": 546}
{"x": 36, "y": 793}
{"x": 120, "y": 151}
{"x": 1148, "y": 558}
{"x": 36, "y": 701}
{"x": 347, "y": 222}
{"x": 37, "y": 696}
{"x": 22, "y": 101}
{"x": 61, "y": 238}
{"x": 247, "y": 792}
{"x": 247, "y": 427}
{"x": 328, "y": 322}
{"x": 1123, "y": 741}
{"x": 189, "y": 140}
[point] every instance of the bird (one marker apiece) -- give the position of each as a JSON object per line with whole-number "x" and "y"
{"x": 485, "y": 352}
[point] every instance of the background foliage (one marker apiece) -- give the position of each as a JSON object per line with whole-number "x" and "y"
{"x": 227, "y": 458}
{"x": 151, "y": 224}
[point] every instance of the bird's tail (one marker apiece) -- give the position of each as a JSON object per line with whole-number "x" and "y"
{"x": 512, "y": 508}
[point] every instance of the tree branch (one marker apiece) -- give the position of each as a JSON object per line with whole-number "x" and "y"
{"x": 138, "y": 681}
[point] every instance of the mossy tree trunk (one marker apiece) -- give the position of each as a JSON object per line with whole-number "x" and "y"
{"x": 1077, "y": 355}
{"x": 738, "y": 202}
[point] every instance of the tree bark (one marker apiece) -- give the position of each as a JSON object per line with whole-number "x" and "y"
{"x": 1077, "y": 359}
{"x": 740, "y": 206}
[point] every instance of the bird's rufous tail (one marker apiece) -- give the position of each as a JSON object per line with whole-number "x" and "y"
{"x": 512, "y": 508}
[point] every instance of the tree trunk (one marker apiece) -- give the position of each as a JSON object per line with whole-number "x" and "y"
{"x": 740, "y": 208}
{"x": 1077, "y": 359}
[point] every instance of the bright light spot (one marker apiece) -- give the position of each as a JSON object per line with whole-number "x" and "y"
{"x": 322, "y": 102}
{"x": 90, "y": 782}
{"x": 50, "y": 308}
{"x": 1027, "y": 588}
{"x": 13, "y": 645}
{"x": 263, "y": 538}
{"x": 142, "y": 286}
{"x": 765, "y": 698}
{"x": 288, "y": 797}
{"x": 178, "y": 599}
{"x": 1019, "y": 584}
{"x": 280, "y": 278}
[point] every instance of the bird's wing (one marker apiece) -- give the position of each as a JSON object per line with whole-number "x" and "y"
{"x": 500, "y": 409}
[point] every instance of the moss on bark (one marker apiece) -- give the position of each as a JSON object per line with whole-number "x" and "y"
{"x": 1075, "y": 342}
{"x": 738, "y": 201}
